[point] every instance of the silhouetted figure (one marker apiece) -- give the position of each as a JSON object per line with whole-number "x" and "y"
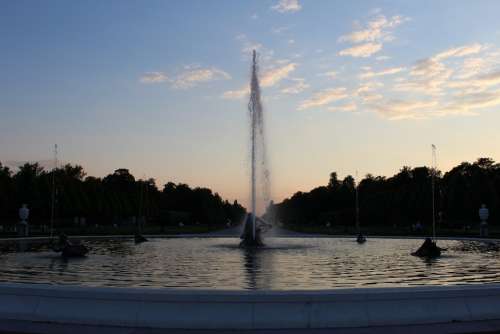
{"x": 247, "y": 237}
{"x": 429, "y": 249}
{"x": 69, "y": 249}
{"x": 361, "y": 239}
{"x": 139, "y": 238}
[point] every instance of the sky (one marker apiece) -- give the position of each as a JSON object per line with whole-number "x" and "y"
{"x": 161, "y": 87}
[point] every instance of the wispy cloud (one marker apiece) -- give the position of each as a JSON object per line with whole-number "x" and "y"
{"x": 459, "y": 81}
{"x": 193, "y": 77}
{"x": 350, "y": 107}
{"x": 287, "y": 6}
{"x": 235, "y": 94}
{"x": 376, "y": 29}
{"x": 324, "y": 97}
{"x": 273, "y": 76}
{"x": 370, "y": 39}
{"x": 404, "y": 109}
{"x": 433, "y": 75}
{"x": 461, "y": 51}
{"x": 299, "y": 86}
{"x": 153, "y": 77}
{"x": 362, "y": 50}
{"x": 189, "y": 77}
{"x": 247, "y": 46}
{"x": 387, "y": 71}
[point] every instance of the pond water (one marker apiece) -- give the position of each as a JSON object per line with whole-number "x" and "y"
{"x": 284, "y": 264}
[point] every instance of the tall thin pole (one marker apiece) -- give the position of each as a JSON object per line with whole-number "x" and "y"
{"x": 357, "y": 202}
{"x": 433, "y": 186}
{"x": 53, "y": 204}
{"x": 141, "y": 200}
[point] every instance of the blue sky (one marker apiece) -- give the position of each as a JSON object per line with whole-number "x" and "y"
{"x": 160, "y": 87}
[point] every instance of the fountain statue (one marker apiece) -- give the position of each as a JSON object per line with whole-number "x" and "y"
{"x": 484, "y": 214}
{"x": 254, "y": 227}
{"x": 22, "y": 226}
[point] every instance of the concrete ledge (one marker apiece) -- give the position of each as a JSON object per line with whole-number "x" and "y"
{"x": 203, "y": 309}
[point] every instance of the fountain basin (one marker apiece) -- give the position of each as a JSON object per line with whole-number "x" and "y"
{"x": 203, "y": 309}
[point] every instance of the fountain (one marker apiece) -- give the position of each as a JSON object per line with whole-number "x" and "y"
{"x": 252, "y": 233}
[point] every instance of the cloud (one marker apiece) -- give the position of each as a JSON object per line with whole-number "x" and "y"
{"x": 433, "y": 75}
{"x": 388, "y": 71}
{"x": 153, "y": 77}
{"x": 275, "y": 75}
{"x": 254, "y": 16}
{"x": 370, "y": 39}
{"x": 427, "y": 76}
{"x": 299, "y": 86}
{"x": 362, "y": 50}
{"x": 235, "y": 94}
{"x": 192, "y": 77}
{"x": 247, "y": 47}
{"x": 324, "y": 97}
{"x": 471, "y": 67}
{"x": 287, "y": 6}
{"x": 459, "y": 51}
{"x": 376, "y": 29}
{"x": 350, "y": 107}
{"x": 404, "y": 109}
{"x": 367, "y": 91}
{"x": 269, "y": 78}
{"x": 466, "y": 103}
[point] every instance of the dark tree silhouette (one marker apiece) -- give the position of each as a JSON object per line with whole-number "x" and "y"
{"x": 118, "y": 198}
{"x": 400, "y": 200}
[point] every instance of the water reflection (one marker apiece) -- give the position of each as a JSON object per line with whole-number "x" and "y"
{"x": 257, "y": 264}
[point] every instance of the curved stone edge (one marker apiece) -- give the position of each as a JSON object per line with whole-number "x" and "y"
{"x": 42, "y": 239}
{"x": 204, "y": 309}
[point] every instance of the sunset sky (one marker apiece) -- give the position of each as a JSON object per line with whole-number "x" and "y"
{"x": 161, "y": 87}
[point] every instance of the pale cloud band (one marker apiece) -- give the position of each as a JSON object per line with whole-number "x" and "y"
{"x": 190, "y": 77}
{"x": 153, "y": 77}
{"x": 324, "y": 97}
{"x": 362, "y": 50}
{"x": 287, "y": 6}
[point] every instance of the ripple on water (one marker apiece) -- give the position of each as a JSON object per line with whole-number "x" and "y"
{"x": 285, "y": 263}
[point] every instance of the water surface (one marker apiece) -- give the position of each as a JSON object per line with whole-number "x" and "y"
{"x": 285, "y": 264}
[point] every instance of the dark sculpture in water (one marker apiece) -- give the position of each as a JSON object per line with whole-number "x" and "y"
{"x": 429, "y": 249}
{"x": 361, "y": 239}
{"x": 68, "y": 248}
{"x": 139, "y": 238}
{"x": 248, "y": 239}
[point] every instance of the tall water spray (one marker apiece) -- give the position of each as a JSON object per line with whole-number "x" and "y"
{"x": 259, "y": 181}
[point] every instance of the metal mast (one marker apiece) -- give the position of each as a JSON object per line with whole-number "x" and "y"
{"x": 53, "y": 204}
{"x": 357, "y": 202}
{"x": 434, "y": 168}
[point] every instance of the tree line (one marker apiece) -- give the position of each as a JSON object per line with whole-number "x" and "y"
{"x": 118, "y": 198}
{"x": 400, "y": 200}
